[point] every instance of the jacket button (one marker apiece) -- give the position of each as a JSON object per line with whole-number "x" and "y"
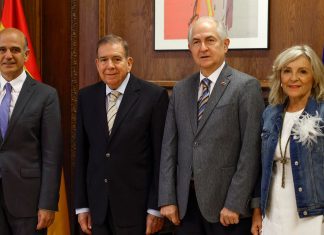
{"x": 300, "y": 189}
{"x": 196, "y": 144}
{"x": 296, "y": 163}
{"x": 108, "y": 155}
{"x": 305, "y": 213}
{"x": 106, "y": 180}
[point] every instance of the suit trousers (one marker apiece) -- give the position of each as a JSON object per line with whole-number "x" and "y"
{"x": 109, "y": 227}
{"x": 194, "y": 223}
{"x": 10, "y": 225}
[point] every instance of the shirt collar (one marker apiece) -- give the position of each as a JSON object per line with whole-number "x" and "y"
{"x": 214, "y": 76}
{"x": 121, "y": 89}
{"x": 16, "y": 83}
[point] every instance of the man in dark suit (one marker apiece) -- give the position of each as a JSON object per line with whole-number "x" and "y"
{"x": 210, "y": 151}
{"x": 30, "y": 143}
{"x": 118, "y": 152}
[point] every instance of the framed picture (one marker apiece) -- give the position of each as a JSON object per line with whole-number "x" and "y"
{"x": 246, "y": 21}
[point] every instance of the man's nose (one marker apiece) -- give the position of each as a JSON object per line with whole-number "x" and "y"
{"x": 203, "y": 46}
{"x": 110, "y": 64}
{"x": 8, "y": 54}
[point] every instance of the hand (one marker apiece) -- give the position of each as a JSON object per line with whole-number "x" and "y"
{"x": 45, "y": 218}
{"x": 84, "y": 220}
{"x": 172, "y": 213}
{"x": 256, "y": 222}
{"x": 153, "y": 224}
{"x": 228, "y": 217}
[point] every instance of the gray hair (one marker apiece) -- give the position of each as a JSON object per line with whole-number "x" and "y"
{"x": 219, "y": 27}
{"x": 277, "y": 96}
{"x": 113, "y": 39}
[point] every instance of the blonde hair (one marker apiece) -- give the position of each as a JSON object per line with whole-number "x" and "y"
{"x": 277, "y": 96}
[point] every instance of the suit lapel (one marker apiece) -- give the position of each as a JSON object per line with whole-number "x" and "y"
{"x": 25, "y": 94}
{"x": 218, "y": 91}
{"x": 129, "y": 98}
{"x": 192, "y": 94}
{"x": 100, "y": 102}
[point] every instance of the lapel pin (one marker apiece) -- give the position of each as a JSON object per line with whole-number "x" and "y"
{"x": 223, "y": 83}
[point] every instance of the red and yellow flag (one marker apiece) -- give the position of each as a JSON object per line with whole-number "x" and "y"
{"x": 13, "y": 17}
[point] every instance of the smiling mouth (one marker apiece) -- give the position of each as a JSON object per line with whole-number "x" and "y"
{"x": 294, "y": 86}
{"x": 8, "y": 63}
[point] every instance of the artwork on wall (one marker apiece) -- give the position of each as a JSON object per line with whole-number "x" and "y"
{"x": 246, "y": 21}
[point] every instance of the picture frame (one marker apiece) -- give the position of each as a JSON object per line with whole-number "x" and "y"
{"x": 246, "y": 22}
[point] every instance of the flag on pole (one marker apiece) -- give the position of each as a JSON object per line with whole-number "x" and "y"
{"x": 13, "y": 17}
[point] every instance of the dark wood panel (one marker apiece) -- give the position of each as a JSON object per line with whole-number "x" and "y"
{"x": 88, "y": 37}
{"x": 291, "y": 22}
{"x": 134, "y": 20}
{"x": 56, "y": 71}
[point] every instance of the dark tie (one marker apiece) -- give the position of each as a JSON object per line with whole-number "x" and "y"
{"x": 202, "y": 102}
{"x": 4, "y": 109}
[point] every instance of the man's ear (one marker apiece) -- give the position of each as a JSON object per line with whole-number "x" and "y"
{"x": 26, "y": 54}
{"x": 130, "y": 62}
{"x": 226, "y": 44}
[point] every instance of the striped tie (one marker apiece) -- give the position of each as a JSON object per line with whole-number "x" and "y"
{"x": 202, "y": 102}
{"x": 112, "y": 109}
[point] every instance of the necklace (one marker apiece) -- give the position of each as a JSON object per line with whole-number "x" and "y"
{"x": 283, "y": 159}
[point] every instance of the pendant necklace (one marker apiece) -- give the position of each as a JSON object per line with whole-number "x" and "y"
{"x": 283, "y": 160}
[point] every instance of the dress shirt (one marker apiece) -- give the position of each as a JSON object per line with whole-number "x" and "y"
{"x": 121, "y": 89}
{"x": 16, "y": 85}
{"x": 213, "y": 79}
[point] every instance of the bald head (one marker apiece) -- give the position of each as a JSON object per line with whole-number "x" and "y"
{"x": 17, "y": 33}
{"x": 13, "y": 53}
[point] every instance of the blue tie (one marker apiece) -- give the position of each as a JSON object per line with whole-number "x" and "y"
{"x": 4, "y": 109}
{"x": 202, "y": 102}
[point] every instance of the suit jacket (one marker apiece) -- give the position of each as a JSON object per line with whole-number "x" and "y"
{"x": 222, "y": 151}
{"x": 120, "y": 170}
{"x": 31, "y": 151}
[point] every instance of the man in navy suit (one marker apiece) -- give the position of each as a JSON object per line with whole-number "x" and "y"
{"x": 118, "y": 161}
{"x": 30, "y": 143}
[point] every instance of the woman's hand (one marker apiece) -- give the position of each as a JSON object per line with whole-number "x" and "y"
{"x": 256, "y": 228}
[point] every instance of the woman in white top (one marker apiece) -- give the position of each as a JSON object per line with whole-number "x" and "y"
{"x": 292, "y": 183}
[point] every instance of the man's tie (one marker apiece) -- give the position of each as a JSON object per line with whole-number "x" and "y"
{"x": 112, "y": 108}
{"x": 4, "y": 109}
{"x": 202, "y": 102}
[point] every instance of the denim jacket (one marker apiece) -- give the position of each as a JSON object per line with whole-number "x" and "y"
{"x": 307, "y": 163}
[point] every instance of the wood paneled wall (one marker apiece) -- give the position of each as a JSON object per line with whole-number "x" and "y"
{"x": 64, "y": 35}
{"x": 290, "y": 22}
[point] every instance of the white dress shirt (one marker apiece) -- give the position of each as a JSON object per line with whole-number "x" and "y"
{"x": 213, "y": 79}
{"x": 16, "y": 85}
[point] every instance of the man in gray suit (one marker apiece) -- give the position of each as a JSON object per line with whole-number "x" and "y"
{"x": 30, "y": 143}
{"x": 210, "y": 151}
